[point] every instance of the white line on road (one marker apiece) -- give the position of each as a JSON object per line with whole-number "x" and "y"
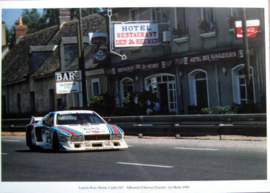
{"x": 10, "y": 140}
{"x": 183, "y": 148}
{"x": 4, "y": 153}
{"x": 147, "y": 165}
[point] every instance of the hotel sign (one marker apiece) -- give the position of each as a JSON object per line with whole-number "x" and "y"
{"x": 211, "y": 57}
{"x": 136, "y": 35}
{"x": 141, "y": 67}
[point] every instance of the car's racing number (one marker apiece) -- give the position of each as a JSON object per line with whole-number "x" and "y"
{"x": 47, "y": 137}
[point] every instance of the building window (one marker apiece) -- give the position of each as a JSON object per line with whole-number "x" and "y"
{"x": 156, "y": 14}
{"x": 180, "y": 28}
{"x": 4, "y": 106}
{"x": 126, "y": 86}
{"x": 77, "y": 100}
{"x": 134, "y": 14}
{"x": 235, "y": 14}
{"x": 19, "y": 102}
{"x": 163, "y": 86}
{"x": 208, "y": 20}
{"x": 95, "y": 87}
{"x": 32, "y": 102}
{"x": 240, "y": 86}
{"x": 51, "y": 100}
{"x": 198, "y": 84}
{"x": 37, "y": 59}
{"x": 71, "y": 53}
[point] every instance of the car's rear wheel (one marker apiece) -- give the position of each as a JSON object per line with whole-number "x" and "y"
{"x": 29, "y": 142}
{"x": 55, "y": 145}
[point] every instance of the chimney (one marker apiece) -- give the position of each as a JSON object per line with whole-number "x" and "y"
{"x": 20, "y": 29}
{"x": 64, "y": 16}
{"x": 4, "y": 35}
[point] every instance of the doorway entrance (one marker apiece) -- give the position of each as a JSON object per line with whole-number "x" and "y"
{"x": 163, "y": 86}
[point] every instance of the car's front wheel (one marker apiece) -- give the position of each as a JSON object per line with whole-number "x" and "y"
{"x": 55, "y": 144}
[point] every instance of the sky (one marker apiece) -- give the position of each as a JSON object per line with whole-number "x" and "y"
{"x": 9, "y": 16}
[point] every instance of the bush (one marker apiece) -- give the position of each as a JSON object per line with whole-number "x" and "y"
{"x": 219, "y": 110}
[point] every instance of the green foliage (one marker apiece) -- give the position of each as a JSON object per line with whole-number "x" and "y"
{"x": 232, "y": 19}
{"x": 127, "y": 99}
{"x": 96, "y": 100}
{"x": 219, "y": 110}
{"x": 31, "y": 18}
{"x": 204, "y": 26}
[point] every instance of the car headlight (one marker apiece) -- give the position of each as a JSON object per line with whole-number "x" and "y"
{"x": 116, "y": 136}
{"x": 76, "y": 138}
{"x": 64, "y": 138}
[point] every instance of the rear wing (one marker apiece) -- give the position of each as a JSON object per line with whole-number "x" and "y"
{"x": 35, "y": 119}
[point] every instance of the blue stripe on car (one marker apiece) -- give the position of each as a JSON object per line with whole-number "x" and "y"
{"x": 121, "y": 130}
{"x": 110, "y": 128}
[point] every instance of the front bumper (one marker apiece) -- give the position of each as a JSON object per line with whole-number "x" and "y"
{"x": 93, "y": 145}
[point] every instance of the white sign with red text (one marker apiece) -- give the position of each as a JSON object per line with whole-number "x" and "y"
{"x": 252, "y": 28}
{"x": 136, "y": 35}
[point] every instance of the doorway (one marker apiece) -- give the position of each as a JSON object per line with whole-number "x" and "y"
{"x": 163, "y": 86}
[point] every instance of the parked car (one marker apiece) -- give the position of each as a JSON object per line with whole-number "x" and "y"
{"x": 73, "y": 131}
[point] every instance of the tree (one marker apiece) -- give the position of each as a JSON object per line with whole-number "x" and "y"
{"x": 74, "y": 13}
{"x": 50, "y": 17}
{"x": 31, "y": 18}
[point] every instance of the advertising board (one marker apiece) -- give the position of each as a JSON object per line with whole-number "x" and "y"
{"x": 136, "y": 35}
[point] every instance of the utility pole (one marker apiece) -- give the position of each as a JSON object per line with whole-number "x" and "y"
{"x": 81, "y": 58}
{"x": 246, "y": 57}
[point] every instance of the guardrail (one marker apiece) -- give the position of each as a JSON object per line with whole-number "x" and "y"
{"x": 193, "y": 125}
{"x": 176, "y": 125}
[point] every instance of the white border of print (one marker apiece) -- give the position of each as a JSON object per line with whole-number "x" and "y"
{"x": 195, "y": 186}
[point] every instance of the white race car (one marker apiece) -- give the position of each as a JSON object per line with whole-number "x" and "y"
{"x": 73, "y": 131}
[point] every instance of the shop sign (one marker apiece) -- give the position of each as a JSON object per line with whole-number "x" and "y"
{"x": 100, "y": 54}
{"x": 68, "y": 87}
{"x": 68, "y": 82}
{"x": 97, "y": 38}
{"x": 212, "y": 57}
{"x": 68, "y": 76}
{"x": 136, "y": 35}
{"x": 141, "y": 67}
{"x": 252, "y": 28}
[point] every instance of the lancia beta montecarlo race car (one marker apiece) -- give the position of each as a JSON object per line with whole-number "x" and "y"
{"x": 73, "y": 131}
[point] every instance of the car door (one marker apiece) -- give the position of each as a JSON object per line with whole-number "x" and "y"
{"x": 47, "y": 131}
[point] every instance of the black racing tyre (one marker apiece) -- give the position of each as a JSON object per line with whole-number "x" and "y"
{"x": 29, "y": 142}
{"x": 55, "y": 143}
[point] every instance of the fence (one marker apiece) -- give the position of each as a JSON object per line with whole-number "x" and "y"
{"x": 175, "y": 125}
{"x": 193, "y": 125}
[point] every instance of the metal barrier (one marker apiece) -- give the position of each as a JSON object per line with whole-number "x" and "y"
{"x": 193, "y": 125}
{"x": 176, "y": 125}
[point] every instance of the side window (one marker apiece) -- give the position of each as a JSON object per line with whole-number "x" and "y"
{"x": 49, "y": 120}
{"x": 180, "y": 28}
{"x": 208, "y": 20}
{"x": 95, "y": 87}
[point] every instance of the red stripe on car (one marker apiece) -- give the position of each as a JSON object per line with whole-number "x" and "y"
{"x": 115, "y": 129}
{"x": 73, "y": 133}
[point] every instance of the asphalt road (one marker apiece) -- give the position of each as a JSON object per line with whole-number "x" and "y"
{"x": 152, "y": 159}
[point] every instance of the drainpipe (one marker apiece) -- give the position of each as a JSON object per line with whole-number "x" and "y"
{"x": 81, "y": 59}
{"x": 246, "y": 56}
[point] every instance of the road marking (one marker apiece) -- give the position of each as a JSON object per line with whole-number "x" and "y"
{"x": 10, "y": 140}
{"x": 147, "y": 165}
{"x": 200, "y": 149}
{"x": 4, "y": 153}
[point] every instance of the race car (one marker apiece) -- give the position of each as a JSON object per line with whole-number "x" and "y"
{"x": 73, "y": 131}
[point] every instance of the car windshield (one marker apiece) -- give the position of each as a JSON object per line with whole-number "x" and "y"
{"x": 78, "y": 118}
